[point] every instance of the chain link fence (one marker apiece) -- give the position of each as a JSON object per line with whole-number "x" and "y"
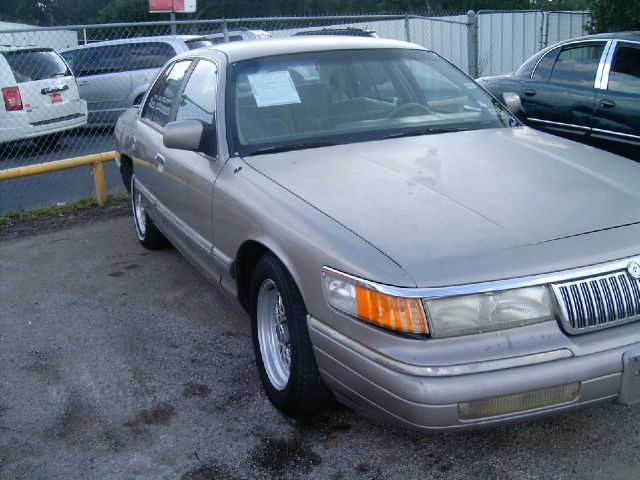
{"x": 47, "y": 114}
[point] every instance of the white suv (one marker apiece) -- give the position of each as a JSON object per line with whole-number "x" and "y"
{"x": 40, "y": 96}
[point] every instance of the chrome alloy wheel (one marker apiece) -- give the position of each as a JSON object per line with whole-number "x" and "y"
{"x": 273, "y": 335}
{"x": 138, "y": 211}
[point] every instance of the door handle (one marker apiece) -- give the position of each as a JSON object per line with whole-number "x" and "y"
{"x": 529, "y": 92}
{"x": 82, "y": 83}
{"x": 160, "y": 158}
{"x": 607, "y": 103}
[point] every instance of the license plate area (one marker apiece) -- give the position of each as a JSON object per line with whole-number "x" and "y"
{"x": 630, "y": 391}
{"x": 55, "y": 97}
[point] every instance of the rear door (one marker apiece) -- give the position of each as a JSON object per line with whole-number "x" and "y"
{"x": 103, "y": 78}
{"x": 560, "y": 94}
{"x": 47, "y": 86}
{"x": 617, "y": 106}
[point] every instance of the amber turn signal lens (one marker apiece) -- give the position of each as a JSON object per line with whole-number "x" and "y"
{"x": 393, "y": 313}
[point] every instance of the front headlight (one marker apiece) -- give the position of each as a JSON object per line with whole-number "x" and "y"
{"x": 486, "y": 312}
{"x": 359, "y": 299}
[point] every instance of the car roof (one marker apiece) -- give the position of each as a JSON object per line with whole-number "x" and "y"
{"x": 159, "y": 38}
{"x": 634, "y": 36}
{"x": 247, "y": 50}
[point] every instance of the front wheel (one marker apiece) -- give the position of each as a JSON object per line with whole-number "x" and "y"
{"x": 283, "y": 350}
{"x": 149, "y": 235}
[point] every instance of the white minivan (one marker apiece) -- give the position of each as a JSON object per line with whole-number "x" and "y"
{"x": 40, "y": 96}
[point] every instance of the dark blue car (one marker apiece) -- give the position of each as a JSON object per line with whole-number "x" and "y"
{"x": 586, "y": 88}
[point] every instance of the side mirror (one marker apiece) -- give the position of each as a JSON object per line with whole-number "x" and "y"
{"x": 512, "y": 102}
{"x": 184, "y": 135}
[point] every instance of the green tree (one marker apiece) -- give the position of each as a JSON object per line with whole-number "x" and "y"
{"x": 616, "y": 15}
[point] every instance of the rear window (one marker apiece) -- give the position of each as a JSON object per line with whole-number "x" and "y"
{"x": 31, "y": 65}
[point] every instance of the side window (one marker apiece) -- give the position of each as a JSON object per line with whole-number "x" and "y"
{"x": 198, "y": 101}
{"x": 624, "y": 75}
{"x": 577, "y": 65}
{"x": 158, "y": 106}
{"x": 150, "y": 55}
{"x": 99, "y": 60}
{"x": 543, "y": 69}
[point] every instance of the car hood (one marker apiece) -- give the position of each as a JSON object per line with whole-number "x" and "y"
{"x": 420, "y": 200}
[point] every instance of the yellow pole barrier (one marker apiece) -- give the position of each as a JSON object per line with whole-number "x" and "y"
{"x": 56, "y": 165}
{"x": 98, "y": 177}
{"x": 96, "y": 160}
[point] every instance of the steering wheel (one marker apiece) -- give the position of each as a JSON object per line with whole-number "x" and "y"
{"x": 406, "y": 106}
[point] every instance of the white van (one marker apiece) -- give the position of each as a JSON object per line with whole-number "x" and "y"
{"x": 40, "y": 96}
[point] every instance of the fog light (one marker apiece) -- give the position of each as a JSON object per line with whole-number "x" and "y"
{"x": 518, "y": 402}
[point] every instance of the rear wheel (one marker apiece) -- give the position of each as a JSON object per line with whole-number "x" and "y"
{"x": 149, "y": 235}
{"x": 283, "y": 350}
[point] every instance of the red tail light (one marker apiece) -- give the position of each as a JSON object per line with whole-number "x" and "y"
{"x": 12, "y": 99}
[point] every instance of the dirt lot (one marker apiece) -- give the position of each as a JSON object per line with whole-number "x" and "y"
{"x": 119, "y": 363}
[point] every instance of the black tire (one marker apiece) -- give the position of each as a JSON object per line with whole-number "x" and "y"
{"x": 303, "y": 393}
{"x": 148, "y": 234}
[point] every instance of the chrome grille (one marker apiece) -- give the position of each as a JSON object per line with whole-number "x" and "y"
{"x": 598, "y": 302}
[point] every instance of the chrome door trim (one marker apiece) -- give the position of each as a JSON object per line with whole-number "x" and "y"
{"x": 560, "y": 124}
{"x": 197, "y": 239}
{"x": 602, "y": 76}
{"x": 619, "y": 134}
{"x": 221, "y": 257}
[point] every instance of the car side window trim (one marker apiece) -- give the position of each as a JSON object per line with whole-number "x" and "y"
{"x": 553, "y": 52}
{"x": 604, "y": 81}
{"x": 583, "y": 44}
{"x": 602, "y": 77}
{"x": 183, "y": 86}
{"x": 162, "y": 76}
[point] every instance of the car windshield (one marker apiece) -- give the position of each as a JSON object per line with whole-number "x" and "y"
{"x": 343, "y": 96}
{"x": 30, "y": 65}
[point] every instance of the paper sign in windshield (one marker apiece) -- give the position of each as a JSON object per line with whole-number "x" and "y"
{"x": 273, "y": 88}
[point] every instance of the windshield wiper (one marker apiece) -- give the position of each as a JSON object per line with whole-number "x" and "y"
{"x": 58, "y": 74}
{"x": 424, "y": 131}
{"x": 289, "y": 148}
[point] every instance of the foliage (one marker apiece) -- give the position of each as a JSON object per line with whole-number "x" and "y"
{"x": 69, "y": 12}
{"x": 616, "y": 15}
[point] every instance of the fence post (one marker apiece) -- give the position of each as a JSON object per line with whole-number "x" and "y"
{"x": 544, "y": 30}
{"x": 172, "y": 18}
{"x": 472, "y": 43}
{"x": 407, "y": 28}
{"x": 225, "y": 30}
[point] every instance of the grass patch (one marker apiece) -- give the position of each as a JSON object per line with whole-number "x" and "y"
{"x": 66, "y": 208}
{"x": 62, "y": 214}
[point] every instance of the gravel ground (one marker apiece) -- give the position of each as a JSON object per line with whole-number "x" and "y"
{"x": 120, "y": 363}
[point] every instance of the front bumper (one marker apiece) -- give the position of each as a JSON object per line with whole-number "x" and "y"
{"x": 399, "y": 393}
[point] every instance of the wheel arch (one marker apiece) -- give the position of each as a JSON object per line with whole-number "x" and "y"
{"x": 244, "y": 265}
{"x": 126, "y": 170}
